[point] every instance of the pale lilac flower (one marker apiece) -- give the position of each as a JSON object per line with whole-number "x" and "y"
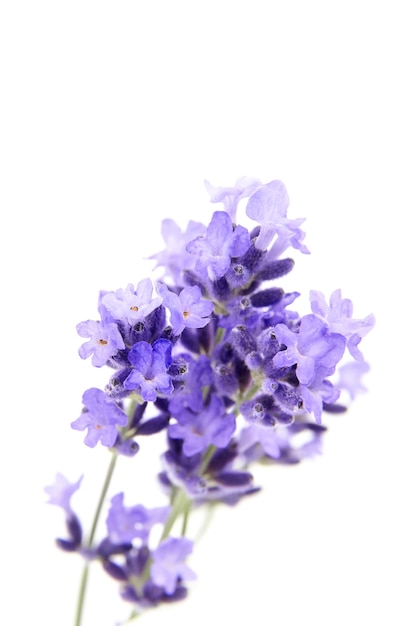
{"x": 131, "y": 305}
{"x": 230, "y": 196}
{"x": 222, "y": 241}
{"x": 101, "y": 418}
{"x": 61, "y": 492}
{"x": 124, "y": 524}
{"x": 187, "y": 309}
{"x": 268, "y": 206}
{"x": 104, "y": 342}
{"x": 175, "y": 258}
{"x": 350, "y": 377}
{"x": 168, "y": 563}
{"x": 339, "y": 316}
{"x": 316, "y": 394}
{"x": 311, "y": 348}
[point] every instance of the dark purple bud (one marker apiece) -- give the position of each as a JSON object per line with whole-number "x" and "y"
{"x": 225, "y": 379}
{"x": 225, "y": 352}
{"x": 106, "y": 548}
{"x": 268, "y": 344}
{"x": 114, "y": 387}
{"x": 334, "y": 408}
{"x": 138, "y": 414}
{"x": 221, "y": 289}
{"x": 243, "y": 374}
{"x": 267, "y": 297}
{"x": 74, "y": 529}
{"x": 140, "y": 332}
{"x": 120, "y": 358}
{"x": 179, "y": 594}
{"x": 127, "y": 448}
{"x": 190, "y": 340}
{"x": 67, "y": 545}
{"x": 156, "y": 322}
{"x": 221, "y": 458}
{"x": 276, "y": 269}
{"x": 285, "y": 418}
{"x": 153, "y": 425}
{"x": 254, "y": 360}
{"x": 178, "y": 368}
{"x": 136, "y": 560}
{"x": 114, "y": 570}
{"x": 206, "y": 335}
{"x": 253, "y": 256}
{"x": 234, "y": 479}
{"x": 243, "y": 341}
{"x": 237, "y": 275}
{"x": 167, "y": 333}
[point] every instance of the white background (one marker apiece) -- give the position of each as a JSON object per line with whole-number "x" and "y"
{"x": 112, "y": 115}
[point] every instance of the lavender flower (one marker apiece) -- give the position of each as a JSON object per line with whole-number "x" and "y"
{"x": 211, "y": 426}
{"x": 188, "y": 309}
{"x": 125, "y": 524}
{"x": 131, "y": 305}
{"x": 222, "y": 242}
{"x": 61, "y": 492}
{"x": 150, "y": 363}
{"x": 168, "y": 563}
{"x": 268, "y": 206}
{"x": 101, "y": 418}
{"x": 105, "y": 341}
{"x": 311, "y": 348}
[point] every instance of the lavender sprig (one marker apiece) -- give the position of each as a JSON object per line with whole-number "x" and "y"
{"x": 214, "y": 355}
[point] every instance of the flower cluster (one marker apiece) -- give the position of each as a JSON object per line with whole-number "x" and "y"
{"x": 213, "y": 354}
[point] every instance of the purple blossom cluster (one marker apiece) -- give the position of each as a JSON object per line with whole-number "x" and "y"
{"x": 213, "y": 354}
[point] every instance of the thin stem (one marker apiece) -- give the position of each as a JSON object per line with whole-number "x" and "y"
{"x": 102, "y": 497}
{"x": 85, "y": 573}
{"x": 180, "y": 504}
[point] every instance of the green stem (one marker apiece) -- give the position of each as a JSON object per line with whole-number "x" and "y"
{"x": 85, "y": 573}
{"x": 180, "y": 504}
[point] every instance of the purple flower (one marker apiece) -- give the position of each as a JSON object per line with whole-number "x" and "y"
{"x": 199, "y": 374}
{"x": 175, "y": 258}
{"x": 339, "y": 316}
{"x": 61, "y": 492}
{"x": 310, "y": 348}
{"x": 105, "y": 341}
{"x": 199, "y": 430}
{"x": 230, "y": 196}
{"x": 124, "y": 524}
{"x": 316, "y": 394}
{"x": 268, "y": 206}
{"x": 350, "y": 376}
{"x": 188, "y": 309}
{"x": 101, "y": 418}
{"x": 168, "y": 563}
{"x": 131, "y": 305}
{"x": 222, "y": 242}
{"x": 150, "y": 373}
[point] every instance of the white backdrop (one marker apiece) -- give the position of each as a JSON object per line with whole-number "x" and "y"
{"x": 112, "y": 115}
